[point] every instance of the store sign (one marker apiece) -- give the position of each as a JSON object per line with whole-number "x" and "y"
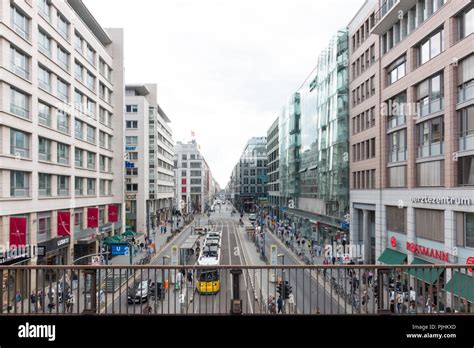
{"x": 129, "y": 164}
{"x": 92, "y": 217}
{"x": 421, "y": 250}
{"x": 64, "y": 223}
{"x": 54, "y": 244}
{"x": 442, "y": 200}
{"x": 393, "y": 242}
{"x": 17, "y": 231}
{"x": 470, "y": 261}
{"x": 113, "y": 213}
{"x": 130, "y": 148}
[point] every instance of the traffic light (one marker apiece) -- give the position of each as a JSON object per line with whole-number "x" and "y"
{"x": 281, "y": 290}
{"x": 287, "y": 291}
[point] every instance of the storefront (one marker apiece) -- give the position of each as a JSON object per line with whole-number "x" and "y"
{"x": 56, "y": 252}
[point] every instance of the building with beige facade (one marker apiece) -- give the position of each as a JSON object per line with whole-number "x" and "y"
{"x": 61, "y": 131}
{"x": 149, "y": 156}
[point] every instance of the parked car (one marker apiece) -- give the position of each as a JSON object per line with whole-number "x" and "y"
{"x": 140, "y": 291}
{"x": 253, "y": 217}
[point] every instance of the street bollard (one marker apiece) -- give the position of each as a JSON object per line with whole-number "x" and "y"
{"x": 236, "y": 302}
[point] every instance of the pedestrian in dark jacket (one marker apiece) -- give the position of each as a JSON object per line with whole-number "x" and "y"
{"x": 280, "y": 305}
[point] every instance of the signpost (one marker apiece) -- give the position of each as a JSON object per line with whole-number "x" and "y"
{"x": 273, "y": 261}
{"x": 174, "y": 262}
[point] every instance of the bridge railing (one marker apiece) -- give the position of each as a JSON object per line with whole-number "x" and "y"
{"x": 263, "y": 290}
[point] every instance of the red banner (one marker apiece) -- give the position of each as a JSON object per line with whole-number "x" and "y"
{"x": 113, "y": 213}
{"x": 17, "y": 231}
{"x": 92, "y": 217}
{"x": 64, "y": 223}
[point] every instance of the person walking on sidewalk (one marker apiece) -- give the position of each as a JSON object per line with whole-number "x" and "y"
{"x": 280, "y": 305}
{"x": 33, "y": 302}
{"x": 18, "y": 301}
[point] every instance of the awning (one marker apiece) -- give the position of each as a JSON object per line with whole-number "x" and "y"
{"x": 428, "y": 275}
{"x": 129, "y": 234}
{"x": 392, "y": 257}
{"x": 461, "y": 285}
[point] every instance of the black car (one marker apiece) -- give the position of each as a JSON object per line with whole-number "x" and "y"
{"x": 140, "y": 291}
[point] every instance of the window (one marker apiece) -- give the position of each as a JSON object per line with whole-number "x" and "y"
{"x": 78, "y": 186}
{"x": 431, "y": 47}
{"x": 90, "y": 81}
{"x": 78, "y": 101}
{"x": 133, "y": 155}
{"x": 19, "y": 184}
{"x": 63, "y": 90}
{"x": 430, "y": 95}
{"x": 430, "y": 137}
{"x": 132, "y": 124}
{"x": 78, "y": 223}
{"x": 90, "y": 134}
{"x": 132, "y": 187}
{"x": 466, "y": 79}
{"x": 19, "y": 63}
{"x": 131, "y": 108}
{"x": 466, "y": 128}
{"x": 63, "y": 121}
{"x": 91, "y": 107}
{"x": 19, "y": 103}
{"x": 78, "y": 42}
{"x": 429, "y": 224}
{"x": 466, "y": 23}
{"x": 469, "y": 229}
{"x": 397, "y": 146}
{"x": 90, "y": 56}
{"x": 397, "y": 70}
{"x": 102, "y": 160}
{"x": 44, "y": 8}
{"x": 63, "y": 153}
{"x": 466, "y": 171}
{"x": 131, "y": 140}
{"x": 44, "y": 149}
{"x": 44, "y": 227}
{"x": 19, "y": 143}
{"x": 63, "y": 58}
{"x": 78, "y": 129}
{"x": 19, "y": 23}
{"x": 90, "y": 187}
{"x": 63, "y": 185}
{"x": 44, "y": 185}
{"x": 44, "y": 79}
{"x": 78, "y": 71}
{"x": 102, "y": 139}
{"x": 78, "y": 158}
{"x": 44, "y": 43}
{"x": 132, "y": 171}
{"x": 91, "y": 160}
{"x": 63, "y": 27}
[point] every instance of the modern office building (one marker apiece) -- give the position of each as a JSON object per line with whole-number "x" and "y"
{"x": 61, "y": 148}
{"x": 313, "y": 149}
{"x": 422, "y": 194}
{"x": 273, "y": 169}
{"x": 194, "y": 188}
{"x": 149, "y": 153}
{"x": 364, "y": 128}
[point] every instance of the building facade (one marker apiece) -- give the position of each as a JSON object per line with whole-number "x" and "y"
{"x": 195, "y": 186}
{"x": 422, "y": 196}
{"x": 149, "y": 153}
{"x": 273, "y": 168}
{"x": 61, "y": 148}
{"x": 251, "y": 176}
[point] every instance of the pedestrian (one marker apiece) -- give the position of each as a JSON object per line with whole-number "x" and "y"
{"x": 141, "y": 247}
{"x": 179, "y": 279}
{"x": 399, "y": 302}
{"x": 190, "y": 277}
{"x": 364, "y": 278}
{"x": 370, "y": 277}
{"x": 41, "y": 299}
{"x": 412, "y": 309}
{"x": 365, "y": 298}
{"x": 333, "y": 260}
{"x": 33, "y": 302}
{"x": 428, "y": 305}
{"x": 18, "y": 300}
{"x": 280, "y": 305}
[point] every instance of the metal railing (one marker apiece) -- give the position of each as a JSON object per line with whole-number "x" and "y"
{"x": 153, "y": 289}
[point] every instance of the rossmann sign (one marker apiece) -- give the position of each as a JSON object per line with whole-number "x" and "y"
{"x": 430, "y": 252}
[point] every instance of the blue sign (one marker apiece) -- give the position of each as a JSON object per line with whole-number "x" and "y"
{"x": 129, "y": 164}
{"x": 119, "y": 249}
{"x": 344, "y": 225}
{"x": 130, "y": 148}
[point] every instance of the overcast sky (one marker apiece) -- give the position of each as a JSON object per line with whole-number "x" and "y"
{"x": 224, "y": 68}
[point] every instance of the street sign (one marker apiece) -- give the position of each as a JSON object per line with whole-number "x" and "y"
{"x": 95, "y": 261}
{"x": 119, "y": 249}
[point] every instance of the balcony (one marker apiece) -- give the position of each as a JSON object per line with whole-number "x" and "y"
{"x": 466, "y": 92}
{"x": 388, "y": 13}
{"x": 466, "y": 140}
{"x": 434, "y": 149}
{"x": 19, "y": 191}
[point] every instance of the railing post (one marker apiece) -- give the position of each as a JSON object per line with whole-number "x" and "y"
{"x": 92, "y": 274}
{"x": 236, "y": 301}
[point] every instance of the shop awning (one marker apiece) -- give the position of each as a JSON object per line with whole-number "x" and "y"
{"x": 392, "y": 257}
{"x": 461, "y": 285}
{"x": 129, "y": 234}
{"x": 428, "y": 275}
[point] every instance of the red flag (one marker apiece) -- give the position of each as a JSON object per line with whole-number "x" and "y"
{"x": 18, "y": 231}
{"x": 113, "y": 213}
{"x": 92, "y": 217}
{"x": 64, "y": 223}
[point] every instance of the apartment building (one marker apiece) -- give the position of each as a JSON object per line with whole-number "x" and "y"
{"x": 149, "y": 153}
{"x": 61, "y": 131}
{"x": 193, "y": 188}
{"x": 364, "y": 138}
